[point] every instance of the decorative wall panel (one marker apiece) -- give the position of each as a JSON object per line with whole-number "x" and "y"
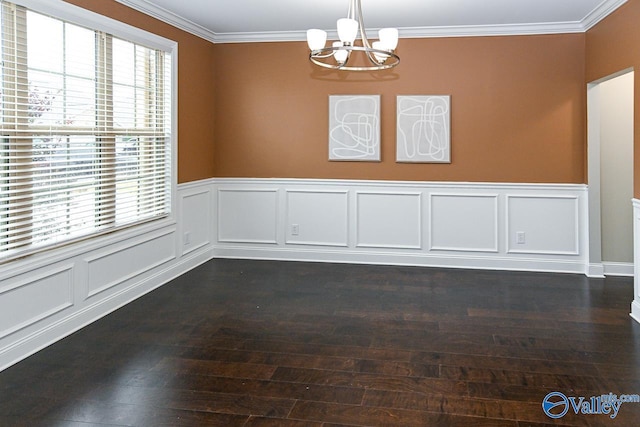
{"x": 33, "y": 299}
{"x": 460, "y": 222}
{"x": 317, "y": 218}
{"x": 539, "y": 224}
{"x": 389, "y": 220}
{"x": 247, "y": 216}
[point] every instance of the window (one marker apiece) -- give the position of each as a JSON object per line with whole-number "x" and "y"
{"x": 85, "y": 132}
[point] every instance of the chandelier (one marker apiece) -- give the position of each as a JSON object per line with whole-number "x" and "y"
{"x": 380, "y": 54}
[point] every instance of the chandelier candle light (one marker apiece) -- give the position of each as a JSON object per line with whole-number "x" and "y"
{"x": 380, "y": 53}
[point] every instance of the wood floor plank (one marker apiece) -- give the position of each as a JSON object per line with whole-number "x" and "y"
{"x": 366, "y": 381}
{"x": 523, "y": 378}
{"x": 457, "y": 405}
{"x": 272, "y": 359}
{"x": 193, "y": 400}
{"x": 279, "y": 422}
{"x": 216, "y": 368}
{"x": 266, "y": 388}
{"x": 542, "y": 366}
{"x": 136, "y": 415}
{"x": 366, "y": 416}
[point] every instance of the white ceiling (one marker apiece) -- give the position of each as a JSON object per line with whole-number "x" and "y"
{"x": 275, "y": 20}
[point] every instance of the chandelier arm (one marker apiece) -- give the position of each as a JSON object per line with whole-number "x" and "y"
{"x": 363, "y": 36}
{"x": 327, "y": 52}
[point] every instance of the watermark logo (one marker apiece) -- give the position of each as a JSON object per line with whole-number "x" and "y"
{"x": 557, "y": 405}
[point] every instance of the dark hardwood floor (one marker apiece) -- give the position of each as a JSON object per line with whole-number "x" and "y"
{"x": 260, "y": 343}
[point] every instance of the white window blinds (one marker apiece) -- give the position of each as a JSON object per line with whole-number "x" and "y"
{"x": 85, "y": 132}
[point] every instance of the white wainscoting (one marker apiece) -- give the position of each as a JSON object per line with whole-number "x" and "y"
{"x": 48, "y": 296}
{"x": 537, "y": 227}
{"x": 635, "y": 305}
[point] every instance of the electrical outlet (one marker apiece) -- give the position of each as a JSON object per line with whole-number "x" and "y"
{"x": 520, "y": 238}
{"x": 187, "y": 238}
{"x": 295, "y": 229}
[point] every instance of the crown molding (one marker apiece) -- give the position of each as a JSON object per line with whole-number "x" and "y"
{"x": 265, "y": 36}
{"x": 170, "y": 18}
{"x": 602, "y": 11}
{"x": 492, "y": 30}
{"x": 605, "y": 9}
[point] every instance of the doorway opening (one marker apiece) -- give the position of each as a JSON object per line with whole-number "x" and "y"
{"x": 610, "y": 104}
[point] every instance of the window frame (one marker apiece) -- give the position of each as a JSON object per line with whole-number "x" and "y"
{"x": 76, "y": 15}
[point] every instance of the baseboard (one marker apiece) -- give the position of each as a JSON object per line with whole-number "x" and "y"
{"x": 399, "y": 258}
{"x": 44, "y": 337}
{"x": 625, "y": 269}
{"x": 595, "y": 271}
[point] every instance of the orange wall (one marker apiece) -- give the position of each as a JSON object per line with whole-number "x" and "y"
{"x": 518, "y": 106}
{"x": 518, "y": 109}
{"x": 614, "y": 45}
{"x": 195, "y": 87}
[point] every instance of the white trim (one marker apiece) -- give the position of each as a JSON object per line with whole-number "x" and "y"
{"x": 605, "y": 9}
{"x": 602, "y": 11}
{"x": 593, "y": 166}
{"x": 54, "y": 255}
{"x": 635, "y": 311}
{"x": 255, "y": 183}
{"x": 595, "y": 271}
{"x": 415, "y": 32}
{"x": 399, "y": 257}
{"x": 120, "y": 248}
{"x": 187, "y": 192}
{"x": 267, "y": 37}
{"x": 492, "y": 30}
{"x": 635, "y": 305}
{"x": 170, "y": 18}
{"x": 96, "y": 21}
{"x": 624, "y": 269}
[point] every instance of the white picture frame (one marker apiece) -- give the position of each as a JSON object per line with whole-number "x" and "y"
{"x": 423, "y": 129}
{"x": 354, "y": 128}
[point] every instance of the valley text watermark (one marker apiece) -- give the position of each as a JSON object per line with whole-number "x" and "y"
{"x": 557, "y": 405}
